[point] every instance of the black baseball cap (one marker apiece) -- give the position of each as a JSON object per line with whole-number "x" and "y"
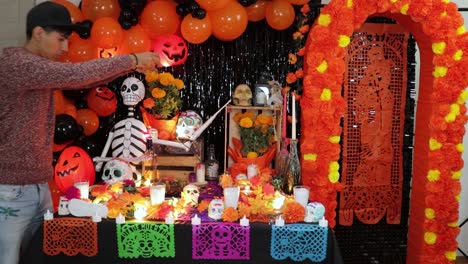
{"x": 50, "y": 14}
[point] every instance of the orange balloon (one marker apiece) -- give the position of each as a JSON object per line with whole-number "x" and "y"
{"x": 89, "y": 120}
{"x": 159, "y": 19}
{"x": 279, "y": 14}
{"x": 195, "y": 30}
{"x": 75, "y": 12}
{"x": 59, "y": 102}
{"x": 229, "y": 22}
{"x": 298, "y": 2}
{"x": 210, "y": 5}
{"x": 106, "y": 33}
{"x": 82, "y": 50}
{"x": 135, "y": 40}
{"x": 95, "y": 9}
{"x": 256, "y": 12}
{"x": 70, "y": 110}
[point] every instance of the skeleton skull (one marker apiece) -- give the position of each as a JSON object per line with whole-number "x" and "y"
{"x": 116, "y": 171}
{"x": 187, "y": 123}
{"x": 190, "y": 194}
{"x": 63, "y": 206}
{"x": 243, "y": 95}
{"x": 314, "y": 212}
{"x": 132, "y": 91}
{"x": 216, "y": 209}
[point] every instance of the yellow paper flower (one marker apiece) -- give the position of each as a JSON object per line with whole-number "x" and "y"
{"x": 164, "y": 90}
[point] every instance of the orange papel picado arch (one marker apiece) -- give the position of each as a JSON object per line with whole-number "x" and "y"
{"x": 441, "y": 115}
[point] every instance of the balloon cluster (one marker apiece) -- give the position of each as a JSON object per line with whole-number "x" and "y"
{"x": 190, "y": 7}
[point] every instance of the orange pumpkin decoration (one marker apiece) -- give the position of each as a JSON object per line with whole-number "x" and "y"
{"x": 73, "y": 165}
{"x": 102, "y": 101}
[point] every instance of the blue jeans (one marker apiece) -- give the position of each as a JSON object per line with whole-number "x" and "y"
{"x": 22, "y": 209}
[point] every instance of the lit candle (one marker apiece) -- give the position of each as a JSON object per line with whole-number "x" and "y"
{"x": 48, "y": 215}
{"x": 279, "y": 221}
{"x": 196, "y": 220}
{"x": 323, "y": 222}
{"x": 293, "y": 120}
{"x": 157, "y": 193}
{"x": 251, "y": 170}
{"x": 169, "y": 219}
{"x": 96, "y": 218}
{"x": 244, "y": 221}
{"x": 120, "y": 219}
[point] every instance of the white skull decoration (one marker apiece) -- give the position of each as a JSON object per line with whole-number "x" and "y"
{"x": 243, "y": 95}
{"x": 314, "y": 212}
{"x": 63, "y": 206}
{"x": 187, "y": 124}
{"x": 116, "y": 171}
{"x": 190, "y": 194}
{"x": 216, "y": 209}
{"x": 132, "y": 91}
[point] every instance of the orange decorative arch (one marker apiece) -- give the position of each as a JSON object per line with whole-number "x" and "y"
{"x": 440, "y": 119}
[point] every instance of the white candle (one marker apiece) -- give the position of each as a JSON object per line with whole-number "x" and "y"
{"x": 231, "y": 196}
{"x": 48, "y": 215}
{"x": 196, "y": 220}
{"x": 293, "y": 120}
{"x": 251, "y": 170}
{"x": 301, "y": 194}
{"x": 120, "y": 219}
{"x": 84, "y": 189}
{"x": 157, "y": 194}
{"x": 200, "y": 172}
{"x": 279, "y": 221}
{"x": 323, "y": 222}
{"x": 96, "y": 218}
{"x": 244, "y": 221}
{"x": 169, "y": 219}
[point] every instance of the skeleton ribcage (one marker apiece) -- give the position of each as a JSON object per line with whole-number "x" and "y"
{"x": 129, "y": 139}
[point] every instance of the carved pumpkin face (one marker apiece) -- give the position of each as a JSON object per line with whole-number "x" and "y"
{"x": 73, "y": 165}
{"x": 102, "y": 100}
{"x": 172, "y": 50}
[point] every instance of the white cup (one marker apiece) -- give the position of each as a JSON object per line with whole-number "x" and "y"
{"x": 231, "y": 196}
{"x": 157, "y": 193}
{"x": 84, "y": 189}
{"x": 301, "y": 194}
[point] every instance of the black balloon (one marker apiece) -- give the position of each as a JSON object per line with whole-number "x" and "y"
{"x": 66, "y": 129}
{"x": 90, "y": 145}
{"x": 199, "y": 13}
{"x": 85, "y": 32}
{"x": 81, "y": 104}
{"x": 75, "y": 94}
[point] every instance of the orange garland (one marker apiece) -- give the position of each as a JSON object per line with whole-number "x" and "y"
{"x": 324, "y": 107}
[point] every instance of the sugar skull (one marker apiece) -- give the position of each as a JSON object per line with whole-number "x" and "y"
{"x": 63, "y": 206}
{"x": 314, "y": 212}
{"x": 190, "y": 194}
{"x": 116, "y": 171}
{"x": 187, "y": 123}
{"x": 216, "y": 209}
{"x": 242, "y": 95}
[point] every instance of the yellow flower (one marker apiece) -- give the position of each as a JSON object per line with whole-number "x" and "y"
{"x": 246, "y": 122}
{"x": 164, "y": 90}
{"x": 158, "y": 93}
{"x": 256, "y": 133}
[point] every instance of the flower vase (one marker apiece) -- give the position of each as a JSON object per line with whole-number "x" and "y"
{"x": 166, "y": 127}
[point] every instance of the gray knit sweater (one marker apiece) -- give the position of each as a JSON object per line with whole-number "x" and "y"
{"x": 27, "y": 118}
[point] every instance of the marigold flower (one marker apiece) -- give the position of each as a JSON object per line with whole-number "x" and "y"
{"x": 246, "y": 122}
{"x": 290, "y": 78}
{"x": 292, "y": 58}
{"x": 158, "y": 93}
{"x": 230, "y": 215}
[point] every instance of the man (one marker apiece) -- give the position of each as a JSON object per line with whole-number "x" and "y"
{"x": 27, "y": 119}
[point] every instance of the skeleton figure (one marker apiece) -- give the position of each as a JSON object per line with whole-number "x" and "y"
{"x": 242, "y": 95}
{"x": 190, "y": 194}
{"x": 222, "y": 238}
{"x": 116, "y": 171}
{"x": 128, "y": 136}
{"x": 216, "y": 209}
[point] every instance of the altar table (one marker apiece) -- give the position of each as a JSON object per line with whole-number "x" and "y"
{"x": 260, "y": 234}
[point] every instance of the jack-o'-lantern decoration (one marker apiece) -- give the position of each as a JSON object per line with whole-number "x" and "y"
{"x": 172, "y": 50}
{"x": 102, "y": 101}
{"x": 73, "y": 165}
